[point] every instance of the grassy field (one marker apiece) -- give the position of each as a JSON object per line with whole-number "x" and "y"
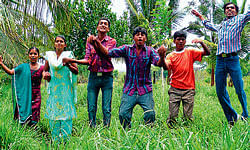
{"x": 209, "y": 130}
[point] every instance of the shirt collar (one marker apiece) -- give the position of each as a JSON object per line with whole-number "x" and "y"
{"x": 225, "y": 19}
{"x": 106, "y": 38}
{"x": 144, "y": 46}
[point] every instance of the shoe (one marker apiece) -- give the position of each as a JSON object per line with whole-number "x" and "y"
{"x": 232, "y": 123}
{"x": 245, "y": 119}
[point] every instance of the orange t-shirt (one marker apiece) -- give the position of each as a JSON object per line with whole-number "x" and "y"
{"x": 181, "y": 66}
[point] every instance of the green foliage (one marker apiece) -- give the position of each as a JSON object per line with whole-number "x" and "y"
{"x": 82, "y": 74}
{"x": 161, "y": 20}
{"x": 244, "y": 64}
{"x": 87, "y": 14}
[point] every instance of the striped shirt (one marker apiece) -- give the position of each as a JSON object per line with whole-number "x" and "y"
{"x": 229, "y": 33}
{"x": 138, "y": 76}
{"x": 97, "y": 63}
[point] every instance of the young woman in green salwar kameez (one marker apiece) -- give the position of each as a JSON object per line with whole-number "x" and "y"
{"x": 60, "y": 109}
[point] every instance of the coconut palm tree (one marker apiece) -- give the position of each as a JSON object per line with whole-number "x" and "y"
{"x": 28, "y": 23}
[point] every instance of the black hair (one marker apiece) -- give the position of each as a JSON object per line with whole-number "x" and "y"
{"x": 37, "y": 50}
{"x": 180, "y": 33}
{"x": 61, "y": 36}
{"x": 104, "y": 19}
{"x": 140, "y": 29}
{"x": 236, "y": 7}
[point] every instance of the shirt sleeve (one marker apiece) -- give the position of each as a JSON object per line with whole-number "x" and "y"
{"x": 88, "y": 51}
{"x": 168, "y": 60}
{"x": 210, "y": 26}
{"x": 197, "y": 54}
{"x": 111, "y": 44}
{"x": 246, "y": 18}
{"x": 154, "y": 56}
{"x": 118, "y": 52}
{"x": 71, "y": 55}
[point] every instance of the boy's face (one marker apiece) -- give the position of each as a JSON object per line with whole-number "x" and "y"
{"x": 103, "y": 26}
{"x": 140, "y": 38}
{"x": 180, "y": 43}
{"x": 230, "y": 10}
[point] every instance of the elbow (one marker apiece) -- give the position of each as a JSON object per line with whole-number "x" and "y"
{"x": 11, "y": 72}
{"x": 76, "y": 71}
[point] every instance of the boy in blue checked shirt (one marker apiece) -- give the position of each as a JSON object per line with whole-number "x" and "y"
{"x": 138, "y": 85}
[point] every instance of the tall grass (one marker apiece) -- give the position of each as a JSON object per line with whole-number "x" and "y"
{"x": 209, "y": 130}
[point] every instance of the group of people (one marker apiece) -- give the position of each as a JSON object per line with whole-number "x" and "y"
{"x": 60, "y": 71}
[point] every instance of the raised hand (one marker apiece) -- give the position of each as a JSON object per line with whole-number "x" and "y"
{"x": 197, "y": 41}
{"x": 197, "y": 14}
{"x": 91, "y": 39}
{"x": 46, "y": 76}
{"x": 162, "y": 51}
{"x": 1, "y": 60}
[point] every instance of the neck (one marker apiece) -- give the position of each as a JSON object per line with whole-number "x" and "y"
{"x": 229, "y": 17}
{"x": 33, "y": 63}
{"x": 179, "y": 49}
{"x": 59, "y": 52}
{"x": 139, "y": 47}
{"x": 101, "y": 35}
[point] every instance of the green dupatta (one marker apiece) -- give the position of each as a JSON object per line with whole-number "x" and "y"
{"x": 22, "y": 92}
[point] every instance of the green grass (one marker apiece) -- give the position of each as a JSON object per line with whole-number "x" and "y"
{"x": 209, "y": 130}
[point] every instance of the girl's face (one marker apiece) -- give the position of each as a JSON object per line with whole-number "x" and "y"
{"x": 60, "y": 43}
{"x": 33, "y": 55}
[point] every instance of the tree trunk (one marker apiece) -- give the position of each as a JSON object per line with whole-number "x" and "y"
{"x": 212, "y": 75}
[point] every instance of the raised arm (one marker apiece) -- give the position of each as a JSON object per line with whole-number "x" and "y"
{"x": 100, "y": 49}
{"x": 207, "y": 24}
{"x": 206, "y": 51}
{"x": 5, "y": 68}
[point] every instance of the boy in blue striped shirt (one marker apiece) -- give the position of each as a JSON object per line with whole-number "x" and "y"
{"x": 227, "y": 60}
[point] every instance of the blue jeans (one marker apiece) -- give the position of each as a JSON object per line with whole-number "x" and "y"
{"x": 128, "y": 103}
{"x": 224, "y": 66}
{"x": 105, "y": 83}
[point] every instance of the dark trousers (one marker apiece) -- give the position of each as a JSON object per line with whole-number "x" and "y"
{"x": 105, "y": 83}
{"x": 128, "y": 103}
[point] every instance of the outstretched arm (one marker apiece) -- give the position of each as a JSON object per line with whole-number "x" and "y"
{"x": 207, "y": 24}
{"x": 5, "y": 68}
{"x": 71, "y": 60}
{"x": 206, "y": 51}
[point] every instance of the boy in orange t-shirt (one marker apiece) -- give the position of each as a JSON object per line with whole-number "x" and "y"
{"x": 182, "y": 80}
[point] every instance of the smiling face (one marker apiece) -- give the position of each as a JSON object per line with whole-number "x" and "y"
{"x": 33, "y": 55}
{"x": 103, "y": 26}
{"x": 180, "y": 43}
{"x": 60, "y": 43}
{"x": 140, "y": 38}
{"x": 230, "y": 11}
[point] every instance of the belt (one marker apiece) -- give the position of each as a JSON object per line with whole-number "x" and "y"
{"x": 102, "y": 73}
{"x": 228, "y": 55}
